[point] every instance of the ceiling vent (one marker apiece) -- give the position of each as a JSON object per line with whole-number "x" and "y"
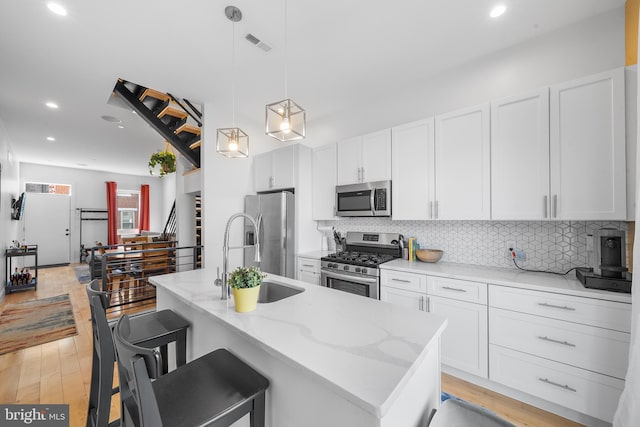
{"x": 256, "y": 41}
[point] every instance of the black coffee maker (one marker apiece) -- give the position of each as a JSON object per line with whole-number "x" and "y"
{"x": 608, "y": 262}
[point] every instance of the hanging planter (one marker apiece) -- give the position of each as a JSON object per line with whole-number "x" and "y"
{"x": 165, "y": 160}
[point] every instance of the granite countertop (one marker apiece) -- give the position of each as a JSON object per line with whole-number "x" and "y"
{"x": 366, "y": 350}
{"x": 568, "y": 285}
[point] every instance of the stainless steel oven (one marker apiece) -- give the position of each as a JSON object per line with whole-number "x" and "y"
{"x": 367, "y": 286}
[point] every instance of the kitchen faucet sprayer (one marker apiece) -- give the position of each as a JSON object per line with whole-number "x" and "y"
{"x": 225, "y": 250}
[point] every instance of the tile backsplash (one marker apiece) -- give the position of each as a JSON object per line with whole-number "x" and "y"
{"x": 547, "y": 245}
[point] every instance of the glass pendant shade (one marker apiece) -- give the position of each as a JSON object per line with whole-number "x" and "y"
{"x": 285, "y": 120}
{"x": 232, "y": 142}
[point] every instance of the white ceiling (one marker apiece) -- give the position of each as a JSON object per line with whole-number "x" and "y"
{"x": 340, "y": 53}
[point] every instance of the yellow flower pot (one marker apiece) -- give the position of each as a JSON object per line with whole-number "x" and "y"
{"x": 246, "y": 299}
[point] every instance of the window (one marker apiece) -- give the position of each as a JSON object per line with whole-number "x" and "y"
{"x": 128, "y": 204}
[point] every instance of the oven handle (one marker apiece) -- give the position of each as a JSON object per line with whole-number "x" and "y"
{"x": 349, "y": 277}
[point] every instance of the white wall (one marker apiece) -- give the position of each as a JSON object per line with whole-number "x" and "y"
{"x": 88, "y": 191}
{"x": 9, "y": 187}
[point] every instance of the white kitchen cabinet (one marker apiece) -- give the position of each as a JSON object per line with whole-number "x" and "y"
{"x": 570, "y": 350}
{"x": 406, "y": 289}
{"x": 410, "y": 299}
{"x": 587, "y": 148}
{"x": 309, "y": 270}
{"x": 413, "y": 170}
{"x": 520, "y": 157}
{"x": 274, "y": 170}
{"x": 365, "y": 158}
{"x": 464, "y": 342}
{"x": 324, "y": 182}
{"x": 462, "y": 158}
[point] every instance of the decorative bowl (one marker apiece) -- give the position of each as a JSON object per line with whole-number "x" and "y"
{"x": 429, "y": 255}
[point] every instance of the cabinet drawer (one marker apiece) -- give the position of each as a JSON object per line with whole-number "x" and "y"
{"x": 596, "y": 349}
{"x": 309, "y": 264}
{"x": 462, "y": 290}
{"x": 583, "y": 391}
{"x": 589, "y": 311}
{"x": 402, "y": 280}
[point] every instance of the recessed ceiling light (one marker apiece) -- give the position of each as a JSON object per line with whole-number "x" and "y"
{"x": 498, "y": 10}
{"x": 120, "y": 127}
{"x": 50, "y": 138}
{"x": 51, "y": 104}
{"x": 57, "y": 9}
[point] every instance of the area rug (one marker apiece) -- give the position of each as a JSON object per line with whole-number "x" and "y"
{"x": 82, "y": 273}
{"x": 36, "y": 322}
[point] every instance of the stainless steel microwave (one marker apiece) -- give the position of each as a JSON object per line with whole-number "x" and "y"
{"x": 366, "y": 199}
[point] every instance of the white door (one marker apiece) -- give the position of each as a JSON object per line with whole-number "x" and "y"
{"x": 376, "y": 156}
{"x": 412, "y": 170}
{"x": 463, "y": 164}
{"x": 588, "y": 180}
{"x": 324, "y": 182}
{"x": 350, "y": 161}
{"x": 408, "y": 299}
{"x": 262, "y": 179}
{"x": 282, "y": 167}
{"x": 47, "y": 224}
{"x": 520, "y": 157}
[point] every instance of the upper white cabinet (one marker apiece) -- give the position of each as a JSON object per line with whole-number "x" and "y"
{"x": 462, "y": 165}
{"x": 324, "y": 182}
{"x": 365, "y": 158}
{"x": 274, "y": 170}
{"x": 413, "y": 170}
{"x": 587, "y": 142}
{"x": 520, "y": 157}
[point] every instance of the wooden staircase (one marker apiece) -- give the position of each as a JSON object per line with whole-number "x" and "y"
{"x": 177, "y": 120}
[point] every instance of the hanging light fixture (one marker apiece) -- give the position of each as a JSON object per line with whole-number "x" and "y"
{"x": 233, "y": 142}
{"x": 285, "y": 120}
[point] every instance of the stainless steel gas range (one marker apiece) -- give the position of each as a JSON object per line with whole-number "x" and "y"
{"x": 355, "y": 270}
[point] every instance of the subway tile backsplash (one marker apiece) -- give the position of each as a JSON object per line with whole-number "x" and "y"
{"x": 548, "y": 245}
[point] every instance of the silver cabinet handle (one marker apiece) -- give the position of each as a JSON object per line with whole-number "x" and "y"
{"x": 561, "y": 307}
{"x": 428, "y": 305}
{"x": 307, "y": 265}
{"x": 566, "y": 387}
{"x": 362, "y": 179}
{"x": 421, "y": 303}
{"x": 430, "y": 210}
{"x": 555, "y": 206}
{"x": 400, "y": 280}
{"x": 567, "y": 343}
{"x": 435, "y": 204}
{"x": 454, "y": 289}
{"x": 545, "y": 209}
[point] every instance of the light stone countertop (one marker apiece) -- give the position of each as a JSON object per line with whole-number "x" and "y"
{"x": 314, "y": 254}
{"x": 363, "y": 349}
{"x": 568, "y": 285}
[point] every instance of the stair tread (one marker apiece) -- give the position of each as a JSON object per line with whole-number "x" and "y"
{"x": 174, "y": 112}
{"x": 188, "y": 128}
{"x": 154, "y": 94}
{"x": 195, "y": 145}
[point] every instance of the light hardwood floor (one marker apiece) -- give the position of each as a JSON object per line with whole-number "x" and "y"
{"x": 60, "y": 371}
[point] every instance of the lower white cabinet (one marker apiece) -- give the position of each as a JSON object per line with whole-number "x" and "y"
{"x": 309, "y": 270}
{"x": 410, "y": 299}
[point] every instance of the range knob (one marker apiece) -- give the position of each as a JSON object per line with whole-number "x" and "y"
{"x": 333, "y": 265}
{"x": 364, "y": 271}
{"x": 345, "y": 268}
{"x": 357, "y": 269}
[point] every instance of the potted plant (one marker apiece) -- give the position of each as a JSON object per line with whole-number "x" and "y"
{"x": 245, "y": 283}
{"x": 165, "y": 159}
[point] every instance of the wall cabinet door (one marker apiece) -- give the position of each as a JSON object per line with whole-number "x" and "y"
{"x": 376, "y": 156}
{"x": 413, "y": 170}
{"x": 410, "y": 299}
{"x": 262, "y": 172}
{"x": 465, "y": 340}
{"x": 462, "y": 149}
{"x": 350, "y": 160}
{"x": 520, "y": 157}
{"x": 587, "y": 122}
{"x": 274, "y": 170}
{"x": 324, "y": 182}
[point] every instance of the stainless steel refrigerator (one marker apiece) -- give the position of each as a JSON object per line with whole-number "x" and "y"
{"x": 277, "y": 228}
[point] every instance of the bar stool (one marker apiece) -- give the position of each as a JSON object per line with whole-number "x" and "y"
{"x": 216, "y": 389}
{"x": 156, "y": 329}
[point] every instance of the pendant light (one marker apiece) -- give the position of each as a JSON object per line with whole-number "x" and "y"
{"x": 285, "y": 120}
{"x": 233, "y": 142}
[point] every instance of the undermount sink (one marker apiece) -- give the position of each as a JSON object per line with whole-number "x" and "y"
{"x": 270, "y": 292}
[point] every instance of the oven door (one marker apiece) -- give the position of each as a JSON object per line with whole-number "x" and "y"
{"x": 366, "y": 286}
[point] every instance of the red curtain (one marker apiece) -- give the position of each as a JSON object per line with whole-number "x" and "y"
{"x": 144, "y": 207}
{"x": 112, "y": 213}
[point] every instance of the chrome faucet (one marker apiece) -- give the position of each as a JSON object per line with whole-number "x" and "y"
{"x": 225, "y": 250}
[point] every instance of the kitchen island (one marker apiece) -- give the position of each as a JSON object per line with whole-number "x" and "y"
{"x": 333, "y": 358}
